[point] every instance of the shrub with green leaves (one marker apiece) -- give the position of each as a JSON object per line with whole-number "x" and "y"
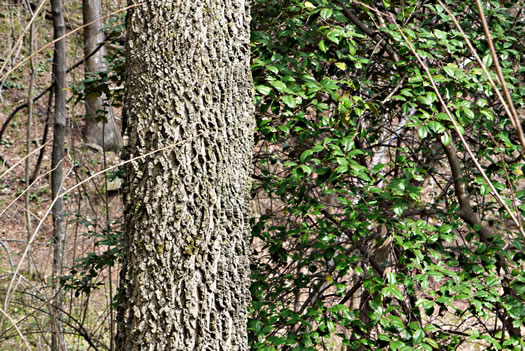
{"x": 376, "y": 229}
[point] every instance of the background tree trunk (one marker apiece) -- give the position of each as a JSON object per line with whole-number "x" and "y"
{"x": 57, "y": 156}
{"x": 29, "y": 127}
{"x": 184, "y": 285}
{"x": 104, "y": 135}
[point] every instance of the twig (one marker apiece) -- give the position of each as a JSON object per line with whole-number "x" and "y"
{"x": 465, "y": 209}
{"x": 4, "y": 162}
{"x": 20, "y": 161}
{"x": 19, "y": 265}
{"x": 21, "y": 194}
{"x": 34, "y": 175}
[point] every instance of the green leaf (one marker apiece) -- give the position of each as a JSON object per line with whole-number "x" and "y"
{"x": 347, "y": 144}
{"x": 396, "y": 293}
{"x": 306, "y": 169}
{"x": 309, "y": 5}
{"x": 440, "y": 34}
{"x": 384, "y": 337}
{"x": 272, "y": 69}
{"x": 468, "y": 112}
{"x": 280, "y": 86}
{"x": 323, "y": 46}
{"x": 284, "y": 128}
{"x": 442, "y": 116}
{"x": 263, "y": 89}
{"x": 399, "y": 207}
{"x": 305, "y": 156}
{"x": 422, "y": 132}
{"x": 289, "y": 101}
{"x": 391, "y": 277}
{"x": 487, "y": 61}
{"x": 341, "y": 65}
{"x": 415, "y": 79}
{"x": 445, "y": 139}
{"x": 397, "y": 322}
{"x": 308, "y": 78}
{"x": 481, "y": 103}
{"x": 317, "y": 148}
{"x": 431, "y": 342}
{"x": 425, "y": 99}
{"x": 394, "y": 345}
{"x": 450, "y": 69}
{"x": 326, "y": 13}
{"x": 418, "y": 336}
{"x": 436, "y": 127}
{"x": 334, "y": 35}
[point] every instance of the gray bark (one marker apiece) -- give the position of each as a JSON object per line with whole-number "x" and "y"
{"x": 57, "y": 155}
{"x": 98, "y": 134}
{"x": 185, "y": 277}
{"x": 29, "y": 127}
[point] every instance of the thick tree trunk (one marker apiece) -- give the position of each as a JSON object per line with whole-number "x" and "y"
{"x": 184, "y": 285}
{"x": 98, "y": 134}
{"x": 59, "y": 228}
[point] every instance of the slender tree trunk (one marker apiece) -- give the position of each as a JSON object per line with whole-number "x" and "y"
{"x": 59, "y": 229}
{"x": 184, "y": 285}
{"x": 101, "y": 134}
{"x": 29, "y": 126}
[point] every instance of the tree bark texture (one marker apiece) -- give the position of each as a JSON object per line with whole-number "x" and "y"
{"x": 104, "y": 135}
{"x": 185, "y": 277}
{"x": 57, "y": 155}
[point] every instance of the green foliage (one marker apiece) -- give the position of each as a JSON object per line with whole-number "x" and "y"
{"x": 84, "y": 275}
{"x": 360, "y": 238}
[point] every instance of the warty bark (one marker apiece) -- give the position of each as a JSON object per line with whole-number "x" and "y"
{"x": 185, "y": 280}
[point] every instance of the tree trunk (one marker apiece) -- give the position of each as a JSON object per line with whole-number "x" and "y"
{"x": 57, "y": 155}
{"x": 29, "y": 127}
{"x": 99, "y": 134}
{"x": 185, "y": 277}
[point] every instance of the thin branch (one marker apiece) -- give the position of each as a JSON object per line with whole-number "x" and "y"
{"x": 363, "y": 27}
{"x": 20, "y": 161}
